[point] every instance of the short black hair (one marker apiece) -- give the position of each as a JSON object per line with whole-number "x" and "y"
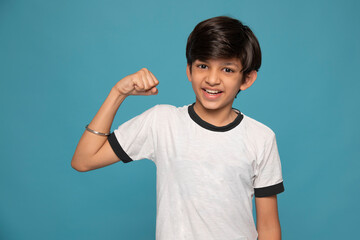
{"x": 224, "y": 37}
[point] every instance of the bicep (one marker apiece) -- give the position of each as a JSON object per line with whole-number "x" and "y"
{"x": 104, "y": 157}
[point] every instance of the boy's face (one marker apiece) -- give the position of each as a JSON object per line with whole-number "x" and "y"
{"x": 216, "y": 82}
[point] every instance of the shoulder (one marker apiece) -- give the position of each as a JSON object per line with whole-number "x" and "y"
{"x": 169, "y": 109}
{"x": 257, "y": 129}
{"x": 159, "y": 109}
{"x": 165, "y": 112}
{"x": 163, "y": 107}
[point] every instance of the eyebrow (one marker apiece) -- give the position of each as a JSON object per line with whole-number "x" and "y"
{"x": 224, "y": 64}
{"x": 230, "y": 63}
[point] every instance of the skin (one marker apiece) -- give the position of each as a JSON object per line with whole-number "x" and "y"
{"x": 224, "y": 75}
{"x": 267, "y": 218}
{"x": 94, "y": 151}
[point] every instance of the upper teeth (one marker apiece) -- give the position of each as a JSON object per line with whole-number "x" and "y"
{"x": 211, "y": 91}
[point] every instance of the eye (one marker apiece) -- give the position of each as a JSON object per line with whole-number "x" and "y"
{"x": 202, "y": 66}
{"x": 228, "y": 70}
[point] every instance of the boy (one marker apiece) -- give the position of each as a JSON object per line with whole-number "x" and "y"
{"x": 211, "y": 159}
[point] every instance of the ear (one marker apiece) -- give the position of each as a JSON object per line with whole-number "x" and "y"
{"x": 249, "y": 79}
{"x": 188, "y": 72}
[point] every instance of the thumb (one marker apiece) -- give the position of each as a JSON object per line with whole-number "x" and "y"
{"x": 152, "y": 91}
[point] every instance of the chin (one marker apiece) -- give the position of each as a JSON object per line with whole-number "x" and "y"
{"x": 210, "y": 105}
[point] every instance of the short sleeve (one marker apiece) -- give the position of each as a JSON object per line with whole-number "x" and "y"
{"x": 268, "y": 180}
{"x": 134, "y": 139}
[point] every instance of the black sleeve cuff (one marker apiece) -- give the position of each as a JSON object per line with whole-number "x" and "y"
{"x": 270, "y": 190}
{"x": 118, "y": 150}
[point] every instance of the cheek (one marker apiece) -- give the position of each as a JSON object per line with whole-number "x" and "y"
{"x": 235, "y": 86}
{"x": 194, "y": 79}
{"x": 194, "y": 84}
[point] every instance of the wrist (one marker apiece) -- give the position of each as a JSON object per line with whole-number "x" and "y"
{"x": 115, "y": 92}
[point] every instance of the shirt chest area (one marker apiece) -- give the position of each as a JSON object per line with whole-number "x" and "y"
{"x": 200, "y": 156}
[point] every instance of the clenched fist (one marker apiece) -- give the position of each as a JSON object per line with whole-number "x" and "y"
{"x": 142, "y": 82}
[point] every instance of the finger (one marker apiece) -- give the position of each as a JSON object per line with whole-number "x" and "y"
{"x": 138, "y": 84}
{"x": 145, "y": 79}
{"x": 151, "y": 79}
{"x": 152, "y": 91}
{"x": 156, "y": 82}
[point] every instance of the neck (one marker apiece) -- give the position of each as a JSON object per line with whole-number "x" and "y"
{"x": 217, "y": 117}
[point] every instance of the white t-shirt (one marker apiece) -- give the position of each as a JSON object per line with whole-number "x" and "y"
{"x": 206, "y": 175}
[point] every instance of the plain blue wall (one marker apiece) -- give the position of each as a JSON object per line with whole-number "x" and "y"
{"x": 59, "y": 60}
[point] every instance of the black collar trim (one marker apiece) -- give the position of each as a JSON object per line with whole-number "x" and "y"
{"x": 211, "y": 127}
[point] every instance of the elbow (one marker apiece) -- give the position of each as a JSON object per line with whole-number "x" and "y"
{"x": 80, "y": 169}
{"x": 75, "y": 164}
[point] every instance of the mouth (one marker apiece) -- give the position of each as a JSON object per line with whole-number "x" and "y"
{"x": 211, "y": 92}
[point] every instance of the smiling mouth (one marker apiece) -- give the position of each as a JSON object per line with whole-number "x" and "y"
{"x": 212, "y": 92}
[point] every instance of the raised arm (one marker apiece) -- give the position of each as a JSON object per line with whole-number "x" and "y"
{"x": 94, "y": 151}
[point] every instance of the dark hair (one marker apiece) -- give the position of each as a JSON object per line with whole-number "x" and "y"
{"x": 224, "y": 37}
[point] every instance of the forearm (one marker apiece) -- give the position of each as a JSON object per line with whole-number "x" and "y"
{"x": 105, "y": 116}
{"x": 90, "y": 143}
{"x": 269, "y": 232}
{"x": 93, "y": 151}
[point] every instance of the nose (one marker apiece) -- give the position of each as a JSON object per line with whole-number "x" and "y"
{"x": 213, "y": 78}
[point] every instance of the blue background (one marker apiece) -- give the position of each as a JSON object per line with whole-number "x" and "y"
{"x": 59, "y": 60}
